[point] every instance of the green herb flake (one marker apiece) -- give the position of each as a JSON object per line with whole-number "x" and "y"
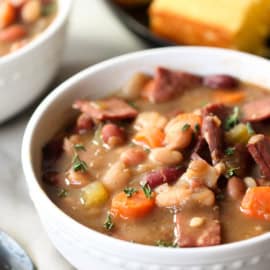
{"x": 162, "y": 243}
{"x": 147, "y": 190}
{"x": 49, "y": 9}
{"x": 229, "y": 151}
{"x": 133, "y": 104}
{"x": 250, "y": 129}
{"x": 78, "y": 164}
{"x": 79, "y": 147}
{"x": 108, "y": 224}
{"x": 185, "y": 127}
{"x": 129, "y": 191}
{"x": 231, "y": 172}
{"x": 197, "y": 128}
{"x": 62, "y": 193}
{"x": 233, "y": 119}
{"x": 146, "y": 150}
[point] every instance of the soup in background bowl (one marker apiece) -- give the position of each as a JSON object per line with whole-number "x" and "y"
{"x": 188, "y": 182}
{"x": 21, "y": 21}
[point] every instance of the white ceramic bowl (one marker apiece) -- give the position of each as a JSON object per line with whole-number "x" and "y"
{"x": 26, "y": 73}
{"x": 87, "y": 249}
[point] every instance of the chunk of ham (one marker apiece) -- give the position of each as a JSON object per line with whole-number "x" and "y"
{"x": 257, "y": 110}
{"x": 259, "y": 148}
{"x": 167, "y": 83}
{"x": 220, "y": 110}
{"x": 198, "y": 226}
{"x": 106, "y": 109}
{"x": 213, "y": 134}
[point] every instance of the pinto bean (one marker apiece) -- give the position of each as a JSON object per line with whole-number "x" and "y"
{"x": 116, "y": 177}
{"x": 166, "y": 156}
{"x": 84, "y": 123}
{"x": 112, "y": 134}
{"x": 7, "y": 14}
{"x": 133, "y": 156}
{"x": 12, "y": 33}
{"x": 31, "y": 11}
{"x": 220, "y": 81}
{"x": 236, "y": 188}
{"x": 165, "y": 175}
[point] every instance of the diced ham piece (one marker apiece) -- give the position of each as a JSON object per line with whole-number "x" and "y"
{"x": 213, "y": 134}
{"x": 106, "y": 109}
{"x": 257, "y": 110}
{"x": 259, "y": 148}
{"x": 220, "y": 110}
{"x": 201, "y": 150}
{"x": 168, "y": 83}
{"x": 198, "y": 227}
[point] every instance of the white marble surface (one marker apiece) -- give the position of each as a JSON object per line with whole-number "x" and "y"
{"x": 94, "y": 35}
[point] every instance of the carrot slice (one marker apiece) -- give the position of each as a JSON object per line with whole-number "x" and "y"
{"x": 7, "y": 14}
{"x": 228, "y": 97}
{"x": 150, "y": 137}
{"x": 256, "y": 203}
{"x": 135, "y": 206}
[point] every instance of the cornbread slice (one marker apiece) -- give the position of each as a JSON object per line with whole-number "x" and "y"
{"x": 237, "y": 24}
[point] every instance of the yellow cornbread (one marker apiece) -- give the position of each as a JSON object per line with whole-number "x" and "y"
{"x": 238, "y": 24}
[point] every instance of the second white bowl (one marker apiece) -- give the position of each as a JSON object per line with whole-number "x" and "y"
{"x": 26, "y": 73}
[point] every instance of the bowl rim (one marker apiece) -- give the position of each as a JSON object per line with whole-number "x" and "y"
{"x": 33, "y": 184}
{"x": 61, "y": 16}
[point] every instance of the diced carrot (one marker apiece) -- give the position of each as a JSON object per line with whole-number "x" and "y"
{"x": 148, "y": 89}
{"x": 12, "y": 33}
{"x": 227, "y": 96}
{"x": 135, "y": 206}
{"x": 149, "y": 137}
{"x": 256, "y": 203}
{"x": 7, "y": 14}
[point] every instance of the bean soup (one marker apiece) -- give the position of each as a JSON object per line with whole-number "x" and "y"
{"x": 174, "y": 160}
{"x": 23, "y": 20}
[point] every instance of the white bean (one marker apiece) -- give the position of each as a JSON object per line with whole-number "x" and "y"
{"x": 165, "y": 156}
{"x": 116, "y": 177}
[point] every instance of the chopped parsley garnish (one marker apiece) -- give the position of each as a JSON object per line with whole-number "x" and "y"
{"x": 146, "y": 150}
{"x": 133, "y": 104}
{"x": 162, "y": 243}
{"x": 48, "y": 9}
{"x": 250, "y": 129}
{"x": 130, "y": 191}
{"x": 231, "y": 172}
{"x": 147, "y": 190}
{"x": 79, "y": 147}
{"x": 108, "y": 224}
{"x": 229, "y": 151}
{"x": 185, "y": 127}
{"x": 233, "y": 119}
{"x": 78, "y": 164}
{"x": 62, "y": 193}
{"x": 197, "y": 128}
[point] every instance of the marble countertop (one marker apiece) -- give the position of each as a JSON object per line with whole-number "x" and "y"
{"x": 94, "y": 34}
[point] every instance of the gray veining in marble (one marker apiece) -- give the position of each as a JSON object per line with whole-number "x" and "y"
{"x": 94, "y": 35}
